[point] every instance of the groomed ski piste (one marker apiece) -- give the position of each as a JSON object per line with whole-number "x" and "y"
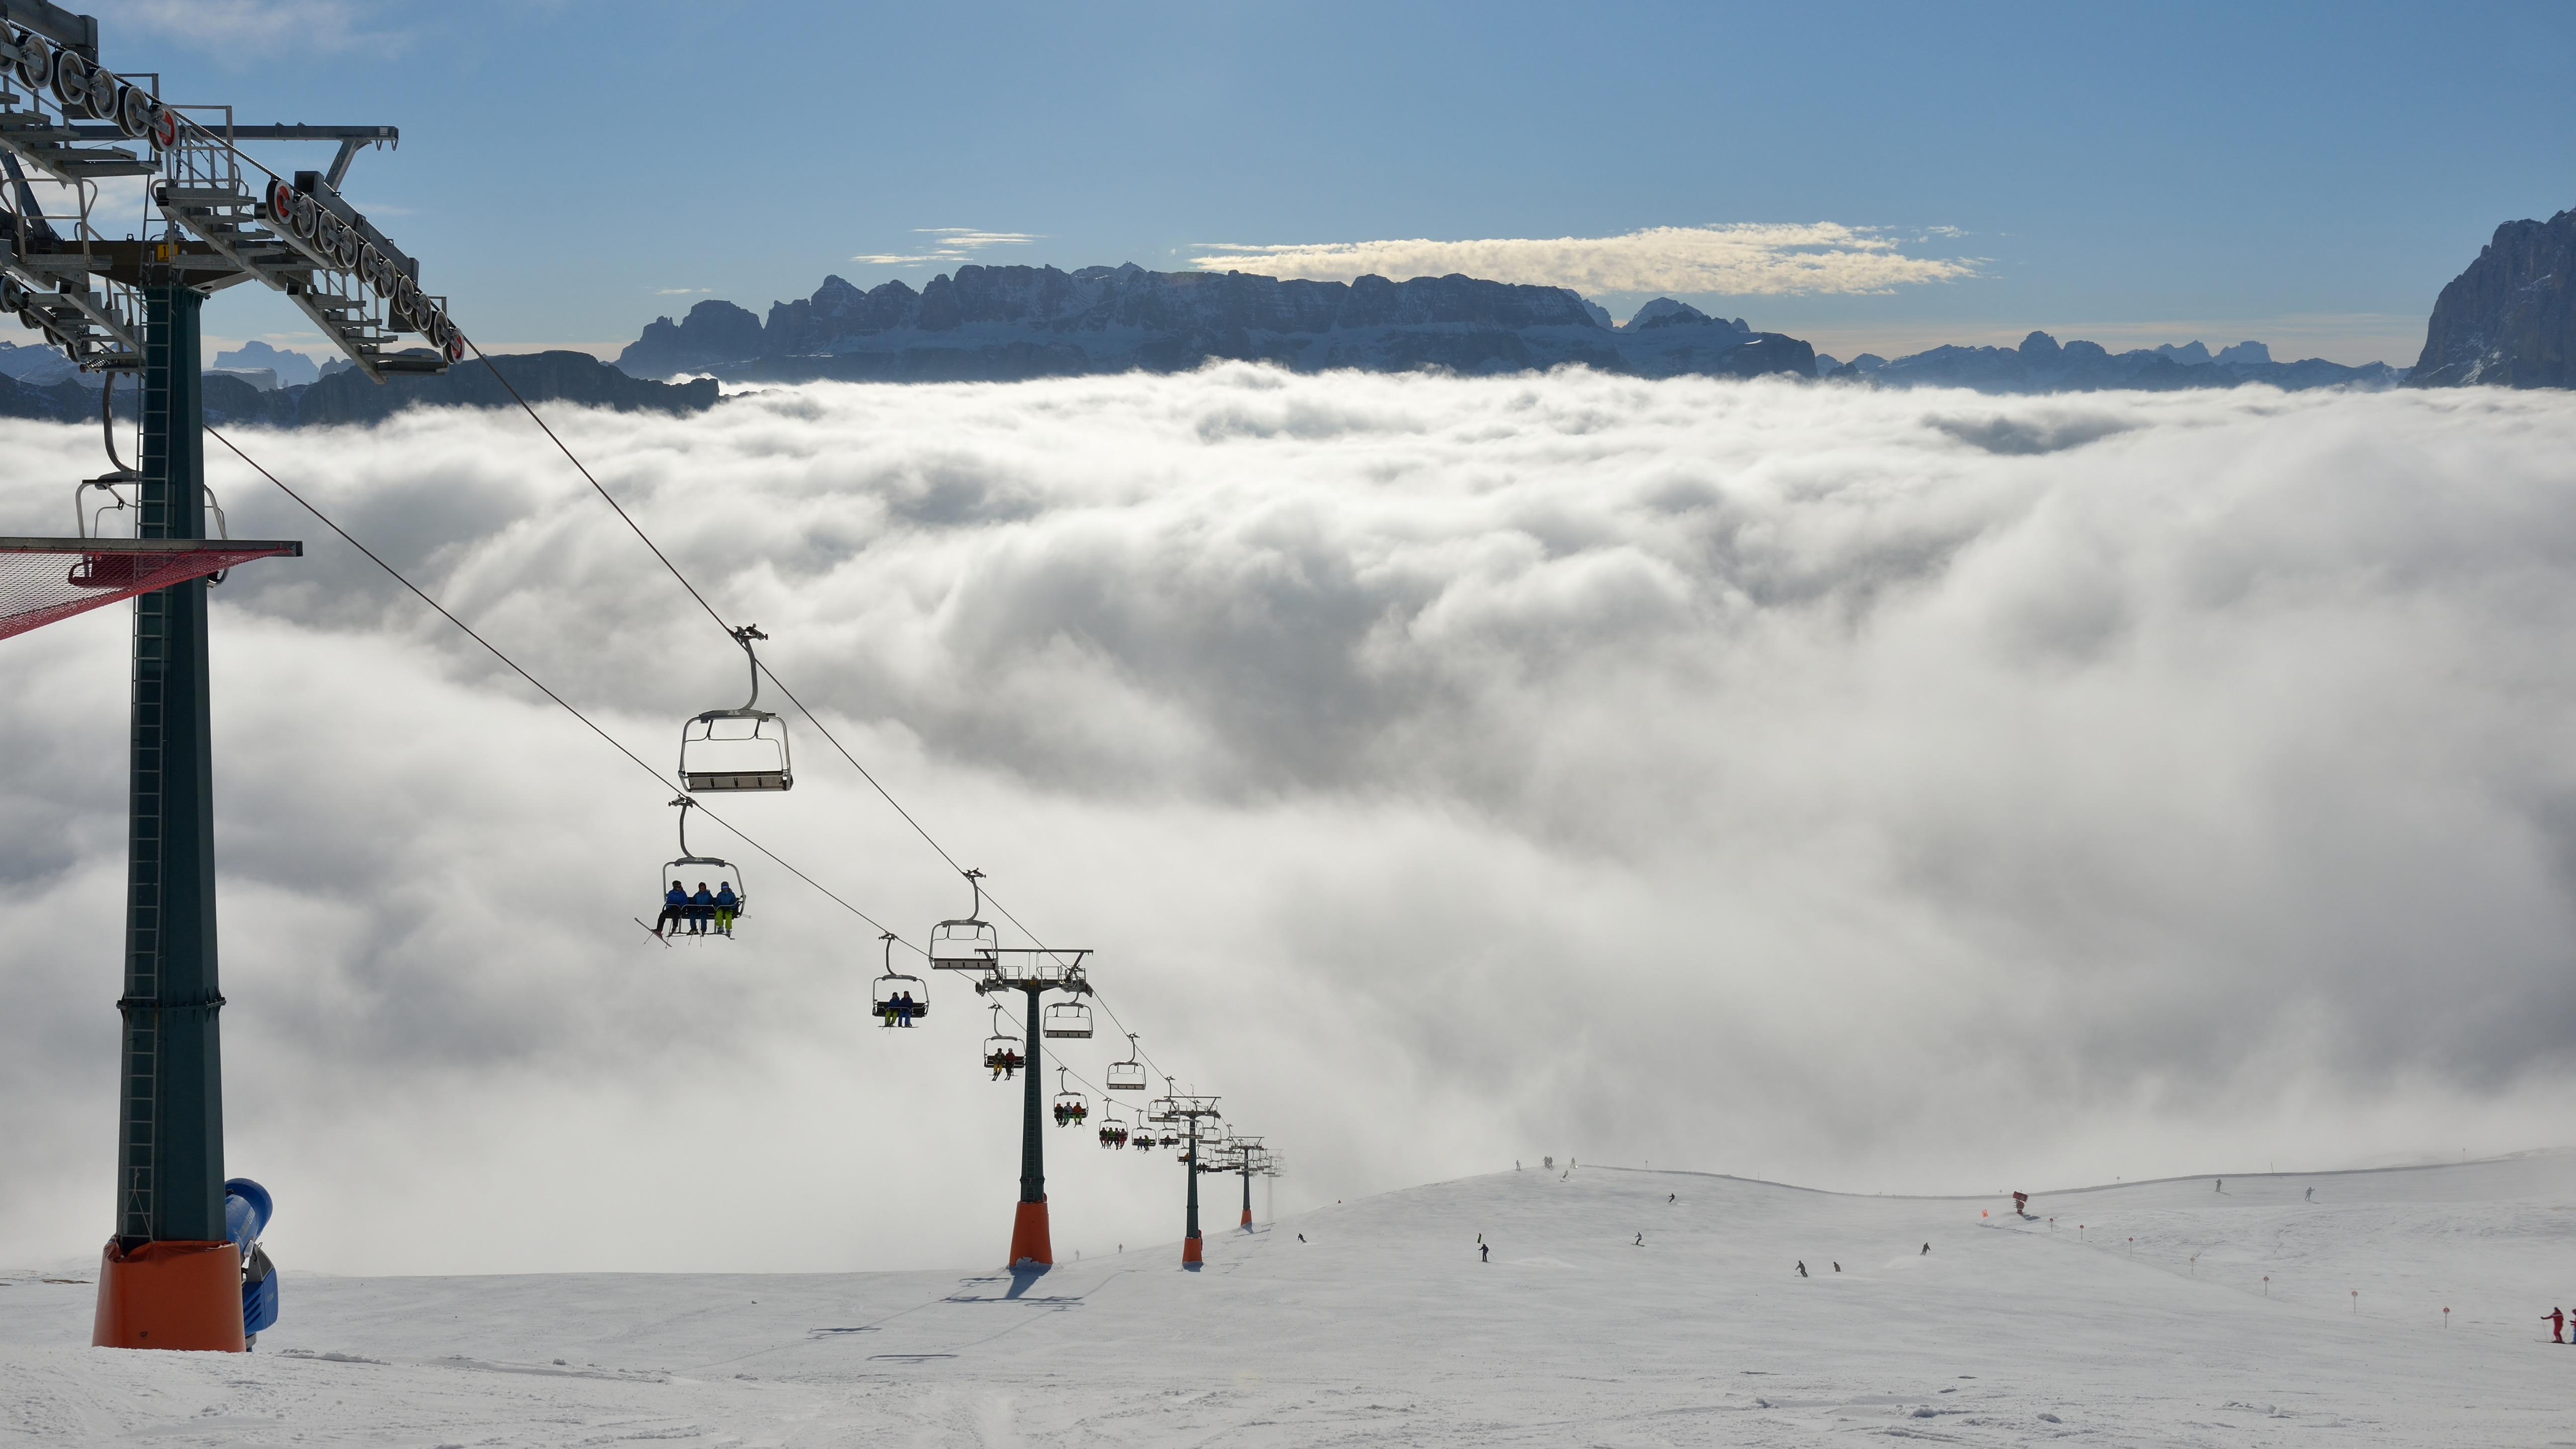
{"x": 2152, "y": 1325}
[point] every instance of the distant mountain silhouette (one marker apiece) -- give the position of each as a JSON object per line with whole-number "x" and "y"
{"x": 29, "y": 388}
{"x": 2040, "y": 364}
{"x": 1003, "y": 323}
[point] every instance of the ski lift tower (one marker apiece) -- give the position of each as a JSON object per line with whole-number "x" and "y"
{"x": 128, "y": 307}
{"x": 1245, "y": 1155}
{"x": 1182, "y": 1107}
{"x": 1033, "y": 972}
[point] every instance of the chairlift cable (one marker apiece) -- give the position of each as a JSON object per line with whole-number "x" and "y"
{"x": 541, "y": 687}
{"x": 763, "y": 667}
{"x": 984, "y": 891}
{"x": 611, "y": 499}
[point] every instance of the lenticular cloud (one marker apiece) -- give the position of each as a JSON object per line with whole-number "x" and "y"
{"x": 1738, "y": 259}
{"x": 1886, "y": 791}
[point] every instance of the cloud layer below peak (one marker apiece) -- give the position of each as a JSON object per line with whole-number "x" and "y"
{"x": 1890, "y": 791}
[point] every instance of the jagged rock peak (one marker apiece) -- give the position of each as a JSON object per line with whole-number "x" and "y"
{"x": 2509, "y": 320}
{"x": 1665, "y": 312}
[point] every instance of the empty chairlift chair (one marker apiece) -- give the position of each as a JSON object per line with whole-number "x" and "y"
{"x": 898, "y": 999}
{"x": 737, "y": 749}
{"x": 1066, "y": 1019}
{"x": 968, "y": 944}
{"x": 1129, "y": 1075}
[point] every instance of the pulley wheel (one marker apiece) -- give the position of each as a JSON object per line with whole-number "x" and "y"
{"x": 35, "y": 65}
{"x": 134, "y": 108}
{"x": 71, "y": 80}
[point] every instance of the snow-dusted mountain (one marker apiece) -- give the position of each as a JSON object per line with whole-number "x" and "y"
{"x": 997, "y": 323}
{"x": 2509, "y": 320}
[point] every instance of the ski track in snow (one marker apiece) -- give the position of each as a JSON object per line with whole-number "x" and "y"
{"x": 1385, "y": 1329}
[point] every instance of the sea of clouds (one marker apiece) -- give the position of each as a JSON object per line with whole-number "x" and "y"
{"x": 1878, "y": 791}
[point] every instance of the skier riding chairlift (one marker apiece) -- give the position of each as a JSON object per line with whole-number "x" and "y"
{"x": 1002, "y": 1051}
{"x": 698, "y": 909}
{"x": 892, "y": 997}
{"x": 1070, "y": 1108}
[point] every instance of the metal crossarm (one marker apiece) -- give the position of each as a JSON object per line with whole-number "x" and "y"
{"x": 43, "y": 580}
{"x": 72, "y": 123}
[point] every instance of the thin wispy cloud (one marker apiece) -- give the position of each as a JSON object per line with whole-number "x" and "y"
{"x": 953, "y": 244}
{"x": 1749, "y": 259}
{"x": 682, "y": 291}
{"x": 237, "y": 28}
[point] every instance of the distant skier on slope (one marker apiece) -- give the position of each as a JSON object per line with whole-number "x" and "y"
{"x": 1641, "y": 1240}
{"x": 1838, "y": 1267}
{"x": 1927, "y": 1251}
{"x": 2218, "y": 1184}
{"x": 2312, "y": 1194}
{"x": 1484, "y": 1252}
{"x": 1802, "y": 1267}
{"x": 2557, "y": 1320}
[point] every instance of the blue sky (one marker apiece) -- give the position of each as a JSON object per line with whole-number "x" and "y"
{"x": 2305, "y": 174}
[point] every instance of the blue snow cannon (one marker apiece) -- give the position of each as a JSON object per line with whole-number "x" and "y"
{"x": 247, "y": 1208}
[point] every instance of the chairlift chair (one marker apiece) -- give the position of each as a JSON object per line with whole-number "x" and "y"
{"x": 1066, "y": 1018}
{"x": 1129, "y": 1075}
{"x": 737, "y": 749}
{"x": 969, "y": 944}
{"x": 686, "y": 874}
{"x": 1002, "y": 1050}
{"x": 1113, "y": 1131}
{"x": 1071, "y": 1109}
{"x": 898, "y": 999}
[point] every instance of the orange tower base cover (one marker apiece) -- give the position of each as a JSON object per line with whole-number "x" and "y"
{"x": 170, "y": 1295}
{"x": 1190, "y": 1250}
{"x": 1030, "y": 1246}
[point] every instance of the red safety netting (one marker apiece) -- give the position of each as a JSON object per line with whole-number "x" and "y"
{"x": 45, "y": 579}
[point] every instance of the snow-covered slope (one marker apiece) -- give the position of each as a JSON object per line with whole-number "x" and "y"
{"x": 1382, "y": 1327}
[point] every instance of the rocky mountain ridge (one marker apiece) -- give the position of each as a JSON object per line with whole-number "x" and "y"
{"x": 2509, "y": 319}
{"x": 31, "y": 389}
{"x": 2042, "y": 364}
{"x": 1000, "y": 323}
